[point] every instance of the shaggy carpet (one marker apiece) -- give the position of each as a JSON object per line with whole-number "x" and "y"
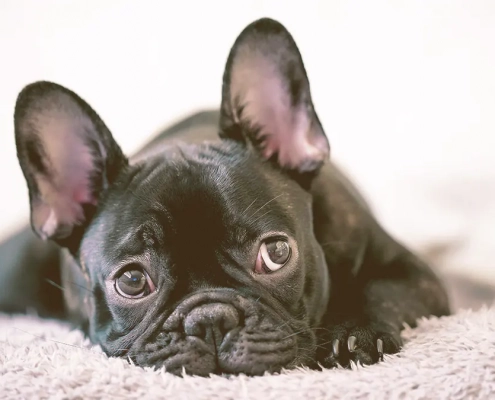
{"x": 443, "y": 358}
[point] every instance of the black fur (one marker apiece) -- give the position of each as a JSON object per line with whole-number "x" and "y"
{"x": 192, "y": 209}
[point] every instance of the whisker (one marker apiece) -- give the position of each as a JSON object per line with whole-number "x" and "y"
{"x": 57, "y": 341}
{"x": 51, "y": 340}
{"x": 63, "y": 289}
{"x": 314, "y": 347}
{"x": 261, "y": 216}
{"x": 305, "y": 331}
{"x": 295, "y": 334}
{"x": 268, "y": 202}
{"x": 305, "y": 350}
{"x": 81, "y": 286}
{"x": 298, "y": 316}
{"x": 322, "y": 345}
{"x": 280, "y": 326}
{"x": 247, "y": 208}
{"x": 55, "y": 284}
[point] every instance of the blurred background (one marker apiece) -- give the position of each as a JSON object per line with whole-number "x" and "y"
{"x": 405, "y": 91}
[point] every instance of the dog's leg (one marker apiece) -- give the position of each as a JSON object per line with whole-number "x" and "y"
{"x": 362, "y": 328}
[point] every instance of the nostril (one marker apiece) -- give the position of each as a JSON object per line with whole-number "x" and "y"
{"x": 217, "y": 318}
{"x": 230, "y": 320}
{"x": 193, "y": 328}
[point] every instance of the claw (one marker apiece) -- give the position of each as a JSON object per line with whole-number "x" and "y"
{"x": 335, "y": 347}
{"x": 379, "y": 347}
{"x": 351, "y": 343}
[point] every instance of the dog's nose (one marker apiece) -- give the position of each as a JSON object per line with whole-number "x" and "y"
{"x": 211, "y": 322}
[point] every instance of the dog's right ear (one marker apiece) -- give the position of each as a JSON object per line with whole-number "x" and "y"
{"x": 68, "y": 157}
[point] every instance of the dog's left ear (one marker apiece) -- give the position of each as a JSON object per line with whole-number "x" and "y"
{"x": 266, "y": 99}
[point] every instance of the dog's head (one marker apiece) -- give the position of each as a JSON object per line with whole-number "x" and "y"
{"x": 200, "y": 257}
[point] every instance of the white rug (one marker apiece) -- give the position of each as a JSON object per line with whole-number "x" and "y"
{"x": 446, "y": 358}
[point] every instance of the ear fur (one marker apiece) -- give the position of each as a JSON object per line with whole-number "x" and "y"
{"x": 266, "y": 99}
{"x": 68, "y": 157}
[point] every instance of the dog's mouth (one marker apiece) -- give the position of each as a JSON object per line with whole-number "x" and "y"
{"x": 224, "y": 338}
{"x": 241, "y": 351}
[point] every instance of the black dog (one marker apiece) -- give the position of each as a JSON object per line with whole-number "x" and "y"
{"x": 229, "y": 244}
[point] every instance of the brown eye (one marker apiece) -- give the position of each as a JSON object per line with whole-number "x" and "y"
{"x": 133, "y": 282}
{"x": 272, "y": 256}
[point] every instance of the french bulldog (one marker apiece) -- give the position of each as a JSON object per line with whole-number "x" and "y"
{"x": 228, "y": 244}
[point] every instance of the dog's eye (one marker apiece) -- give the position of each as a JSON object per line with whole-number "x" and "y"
{"x": 272, "y": 256}
{"x": 134, "y": 283}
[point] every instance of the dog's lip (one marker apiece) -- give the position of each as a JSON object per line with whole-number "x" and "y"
{"x": 281, "y": 355}
{"x": 226, "y": 339}
{"x": 224, "y": 352}
{"x": 248, "y": 307}
{"x": 274, "y": 359}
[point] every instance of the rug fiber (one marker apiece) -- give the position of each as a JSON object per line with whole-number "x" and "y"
{"x": 446, "y": 358}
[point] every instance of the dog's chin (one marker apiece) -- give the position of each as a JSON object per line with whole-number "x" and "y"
{"x": 240, "y": 352}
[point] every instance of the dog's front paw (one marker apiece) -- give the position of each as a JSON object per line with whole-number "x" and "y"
{"x": 363, "y": 344}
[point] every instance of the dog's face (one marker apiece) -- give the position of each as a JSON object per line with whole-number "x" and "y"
{"x": 200, "y": 257}
{"x": 205, "y": 258}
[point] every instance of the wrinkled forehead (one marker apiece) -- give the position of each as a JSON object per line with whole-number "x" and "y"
{"x": 219, "y": 177}
{"x": 214, "y": 179}
{"x": 204, "y": 196}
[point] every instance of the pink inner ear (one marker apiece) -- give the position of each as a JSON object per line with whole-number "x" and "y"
{"x": 83, "y": 196}
{"x": 287, "y": 130}
{"x": 61, "y": 208}
{"x": 67, "y": 187}
{"x": 295, "y": 142}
